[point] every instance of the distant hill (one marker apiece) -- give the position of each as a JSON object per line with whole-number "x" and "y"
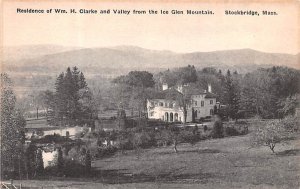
{"x": 35, "y": 67}
{"x": 121, "y": 59}
{"x": 13, "y": 53}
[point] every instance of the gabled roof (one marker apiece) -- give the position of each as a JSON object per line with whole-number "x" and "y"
{"x": 187, "y": 91}
{"x": 164, "y": 94}
{"x": 210, "y": 95}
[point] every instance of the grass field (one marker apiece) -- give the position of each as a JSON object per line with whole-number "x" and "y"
{"x": 216, "y": 163}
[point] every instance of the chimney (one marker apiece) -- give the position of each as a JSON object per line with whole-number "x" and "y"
{"x": 209, "y": 88}
{"x": 164, "y": 86}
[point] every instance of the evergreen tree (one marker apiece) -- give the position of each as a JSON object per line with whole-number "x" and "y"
{"x": 12, "y": 131}
{"x": 30, "y": 159}
{"x": 232, "y": 95}
{"x": 60, "y": 161}
{"x": 71, "y": 91}
{"x": 88, "y": 161}
{"x": 39, "y": 166}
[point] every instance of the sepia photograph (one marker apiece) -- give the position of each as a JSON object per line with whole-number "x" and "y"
{"x": 150, "y": 94}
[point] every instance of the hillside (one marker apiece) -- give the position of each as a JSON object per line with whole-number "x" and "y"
{"x": 119, "y": 60}
{"x": 35, "y": 68}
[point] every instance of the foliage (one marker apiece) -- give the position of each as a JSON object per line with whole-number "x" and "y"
{"x": 55, "y": 138}
{"x": 291, "y": 123}
{"x": 30, "y": 159}
{"x": 88, "y": 161}
{"x": 12, "y": 130}
{"x": 270, "y": 92}
{"x": 231, "y": 131}
{"x": 73, "y": 102}
{"x": 143, "y": 140}
{"x": 39, "y": 165}
{"x": 288, "y": 105}
{"x": 270, "y": 135}
{"x": 232, "y": 95}
{"x": 133, "y": 89}
{"x": 60, "y": 161}
{"x": 218, "y": 130}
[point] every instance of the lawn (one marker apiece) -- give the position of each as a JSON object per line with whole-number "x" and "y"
{"x": 216, "y": 163}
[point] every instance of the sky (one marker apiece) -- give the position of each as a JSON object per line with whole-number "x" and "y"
{"x": 179, "y": 33}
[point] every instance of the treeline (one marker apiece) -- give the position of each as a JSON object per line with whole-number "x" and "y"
{"x": 267, "y": 93}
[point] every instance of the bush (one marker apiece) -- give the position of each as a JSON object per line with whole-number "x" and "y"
{"x": 143, "y": 140}
{"x": 218, "y": 130}
{"x": 231, "y": 131}
{"x": 291, "y": 123}
{"x": 73, "y": 168}
{"x": 190, "y": 137}
{"x": 106, "y": 151}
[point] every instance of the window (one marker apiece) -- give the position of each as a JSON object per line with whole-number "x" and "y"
{"x": 211, "y": 101}
{"x": 171, "y": 105}
{"x": 176, "y": 116}
{"x": 161, "y": 104}
{"x": 211, "y": 111}
{"x": 171, "y": 117}
{"x": 196, "y": 113}
{"x": 166, "y": 116}
{"x": 195, "y": 103}
{"x": 202, "y": 103}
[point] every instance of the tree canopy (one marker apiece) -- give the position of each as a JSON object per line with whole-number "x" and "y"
{"x": 12, "y": 129}
{"x": 72, "y": 99}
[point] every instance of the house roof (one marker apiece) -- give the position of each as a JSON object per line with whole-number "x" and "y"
{"x": 210, "y": 95}
{"x": 164, "y": 94}
{"x": 187, "y": 91}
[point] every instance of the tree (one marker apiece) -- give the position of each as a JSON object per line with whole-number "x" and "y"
{"x": 73, "y": 99}
{"x": 60, "y": 161}
{"x": 287, "y": 106}
{"x": 270, "y": 135}
{"x": 135, "y": 87}
{"x": 265, "y": 92}
{"x": 12, "y": 131}
{"x": 39, "y": 164}
{"x": 88, "y": 161}
{"x": 232, "y": 95}
{"x": 187, "y": 75}
{"x": 30, "y": 159}
{"x": 218, "y": 130}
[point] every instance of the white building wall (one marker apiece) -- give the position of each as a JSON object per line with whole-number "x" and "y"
{"x": 157, "y": 108}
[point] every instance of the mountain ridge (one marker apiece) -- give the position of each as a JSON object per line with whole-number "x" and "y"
{"x": 121, "y": 59}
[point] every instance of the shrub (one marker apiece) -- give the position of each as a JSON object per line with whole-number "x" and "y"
{"x": 291, "y": 123}
{"x": 218, "y": 130}
{"x": 143, "y": 140}
{"x": 106, "y": 151}
{"x": 73, "y": 168}
{"x": 189, "y": 137}
{"x": 231, "y": 131}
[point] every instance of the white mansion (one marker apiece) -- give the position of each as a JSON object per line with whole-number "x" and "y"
{"x": 199, "y": 104}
